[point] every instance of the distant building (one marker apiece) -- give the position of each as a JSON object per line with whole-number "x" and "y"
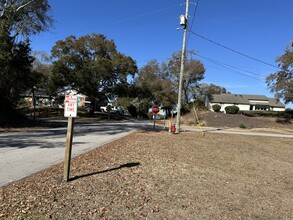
{"x": 245, "y": 102}
{"x": 41, "y": 96}
{"x": 44, "y": 99}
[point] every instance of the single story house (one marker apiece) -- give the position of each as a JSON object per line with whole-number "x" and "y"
{"x": 44, "y": 99}
{"x": 245, "y": 102}
{"x": 41, "y": 96}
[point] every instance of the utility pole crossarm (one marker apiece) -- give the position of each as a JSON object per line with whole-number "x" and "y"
{"x": 183, "y": 57}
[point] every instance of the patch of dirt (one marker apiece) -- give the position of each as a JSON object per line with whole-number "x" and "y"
{"x": 221, "y": 120}
{"x": 157, "y": 175}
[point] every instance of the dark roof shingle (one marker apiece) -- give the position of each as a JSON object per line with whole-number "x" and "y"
{"x": 244, "y": 99}
{"x": 229, "y": 98}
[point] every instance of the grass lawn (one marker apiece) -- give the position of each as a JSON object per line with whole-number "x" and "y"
{"x": 157, "y": 175}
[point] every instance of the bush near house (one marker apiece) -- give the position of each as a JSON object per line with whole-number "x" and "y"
{"x": 284, "y": 114}
{"x": 232, "y": 109}
{"x": 216, "y": 108}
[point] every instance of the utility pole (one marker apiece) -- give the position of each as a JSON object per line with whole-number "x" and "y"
{"x": 184, "y": 22}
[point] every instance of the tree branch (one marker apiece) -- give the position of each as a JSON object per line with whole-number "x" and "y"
{"x": 24, "y": 5}
{"x": 4, "y": 8}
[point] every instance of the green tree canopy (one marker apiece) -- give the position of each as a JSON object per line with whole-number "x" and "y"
{"x": 281, "y": 82}
{"x": 25, "y": 17}
{"x": 205, "y": 90}
{"x": 194, "y": 72}
{"x": 15, "y": 73}
{"x": 42, "y": 70}
{"x": 90, "y": 64}
{"x": 155, "y": 85}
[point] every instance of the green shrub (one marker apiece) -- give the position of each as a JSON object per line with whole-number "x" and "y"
{"x": 150, "y": 115}
{"x": 216, "y": 108}
{"x": 199, "y": 105}
{"x": 142, "y": 114}
{"x": 242, "y": 126}
{"x": 109, "y": 108}
{"x": 248, "y": 113}
{"x": 186, "y": 108}
{"x": 132, "y": 110}
{"x": 232, "y": 109}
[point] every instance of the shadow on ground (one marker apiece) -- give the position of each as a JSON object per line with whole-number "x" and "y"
{"x": 127, "y": 165}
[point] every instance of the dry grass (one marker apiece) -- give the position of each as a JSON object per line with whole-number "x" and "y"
{"x": 157, "y": 175}
{"x": 214, "y": 119}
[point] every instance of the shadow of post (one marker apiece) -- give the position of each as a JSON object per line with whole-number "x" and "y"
{"x": 127, "y": 165}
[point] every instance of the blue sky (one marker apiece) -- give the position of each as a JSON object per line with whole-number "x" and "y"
{"x": 146, "y": 30}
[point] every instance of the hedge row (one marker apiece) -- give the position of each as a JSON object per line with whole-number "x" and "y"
{"x": 229, "y": 109}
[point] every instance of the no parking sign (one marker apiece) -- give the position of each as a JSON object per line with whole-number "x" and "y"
{"x": 70, "y": 109}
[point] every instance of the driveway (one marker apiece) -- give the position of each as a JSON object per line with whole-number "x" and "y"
{"x": 25, "y": 153}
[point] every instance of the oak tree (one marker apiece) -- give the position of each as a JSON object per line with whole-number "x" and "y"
{"x": 90, "y": 65}
{"x": 18, "y": 18}
{"x": 155, "y": 84}
{"x": 25, "y": 17}
{"x": 194, "y": 72}
{"x": 16, "y": 73}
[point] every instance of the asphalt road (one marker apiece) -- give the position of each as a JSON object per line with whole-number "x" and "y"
{"x": 25, "y": 153}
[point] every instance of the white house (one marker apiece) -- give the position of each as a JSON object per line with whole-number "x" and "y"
{"x": 245, "y": 102}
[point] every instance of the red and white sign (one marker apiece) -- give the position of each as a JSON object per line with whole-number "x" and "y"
{"x": 70, "y": 109}
{"x": 155, "y": 109}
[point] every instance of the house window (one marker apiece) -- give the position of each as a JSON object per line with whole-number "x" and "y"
{"x": 261, "y": 107}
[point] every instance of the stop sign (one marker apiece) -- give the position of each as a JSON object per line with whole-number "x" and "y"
{"x": 155, "y": 109}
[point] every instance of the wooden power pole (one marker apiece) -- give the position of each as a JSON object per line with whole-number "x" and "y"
{"x": 184, "y": 23}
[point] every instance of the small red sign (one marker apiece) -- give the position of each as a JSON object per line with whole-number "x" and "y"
{"x": 155, "y": 109}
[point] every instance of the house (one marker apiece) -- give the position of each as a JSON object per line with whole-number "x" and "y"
{"x": 245, "y": 102}
{"x": 44, "y": 99}
{"x": 41, "y": 96}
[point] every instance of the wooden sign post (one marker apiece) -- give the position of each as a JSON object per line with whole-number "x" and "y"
{"x": 68, "y": 149}
{"x": 70, "y": 111}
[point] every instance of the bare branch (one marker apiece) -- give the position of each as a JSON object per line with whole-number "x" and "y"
{"x": 4, "y": 8}
{"x": 24, "y": 5}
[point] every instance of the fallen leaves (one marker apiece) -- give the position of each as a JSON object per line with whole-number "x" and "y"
{"x": 181, "y": 176}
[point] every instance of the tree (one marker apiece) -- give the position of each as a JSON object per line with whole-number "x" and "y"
{"x": 15, "y": 74}
{"x": 155, "y": 84}
{"x": 281, "y": 82}
{"x": 42, "y": 69}
{"x": 205, "y": 90}
{"x": 90, "y": 64}
{"x": 194, "y": 72}
{"x": 25, "y": 17}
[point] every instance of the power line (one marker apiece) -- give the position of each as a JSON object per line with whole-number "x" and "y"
{"x": 228, "y": 65}
{"x": 232, "y": 68}
{"x": 117, "y": 22}
{"x": 235, "y": 51}
{"x": 219, "y": 63}
{"x": 193, "y": 18}
{"x": 142, "y": 15}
